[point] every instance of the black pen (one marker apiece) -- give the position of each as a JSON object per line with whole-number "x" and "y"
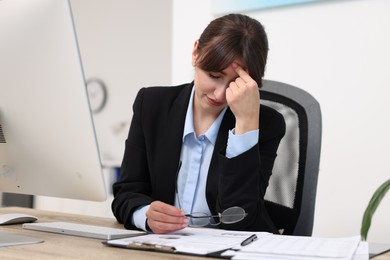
{"x": 249, "y": 240}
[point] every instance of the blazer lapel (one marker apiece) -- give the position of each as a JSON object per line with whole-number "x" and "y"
{"x": 228, "y": 123}
{"x": 173, "y": 142}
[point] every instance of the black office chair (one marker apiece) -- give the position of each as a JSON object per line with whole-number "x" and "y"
{"x": 291, "y": 194}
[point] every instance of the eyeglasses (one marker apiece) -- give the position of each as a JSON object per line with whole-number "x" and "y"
{"x": 228, "y": 216}
{"x": 200, "y": 219}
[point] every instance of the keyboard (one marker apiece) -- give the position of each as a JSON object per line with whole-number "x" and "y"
{"x": 83, "y": 230}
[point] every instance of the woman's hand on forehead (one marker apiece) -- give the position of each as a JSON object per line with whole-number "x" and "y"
{"x": 243, "y": 98}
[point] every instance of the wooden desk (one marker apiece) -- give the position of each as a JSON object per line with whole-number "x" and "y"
{"x": 58, "y": 246}
{"x": 385, "y": 256}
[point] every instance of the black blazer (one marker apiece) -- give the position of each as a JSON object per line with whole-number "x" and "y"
{"x": 152, "y": 154}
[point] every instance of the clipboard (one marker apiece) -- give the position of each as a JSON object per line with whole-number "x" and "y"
{"x": 143, "y": 246}
{"x": 189, "y": 241}
{"x": 166, "y": 249}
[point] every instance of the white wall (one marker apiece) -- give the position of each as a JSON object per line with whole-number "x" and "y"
{"x": 127, "y": 44}
{"x": 339, "y": 52}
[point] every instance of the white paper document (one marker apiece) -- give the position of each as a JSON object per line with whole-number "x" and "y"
{"x": 199, "y": 241}
{"x": 297, "y": 247}
{"x": 361, "y": 252}
{"x": 204, "y": 241}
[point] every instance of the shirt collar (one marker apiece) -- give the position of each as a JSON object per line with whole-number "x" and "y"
{"x": 212, "y": 133}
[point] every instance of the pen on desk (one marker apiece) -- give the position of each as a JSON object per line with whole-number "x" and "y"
{"x": 249, "y": 240}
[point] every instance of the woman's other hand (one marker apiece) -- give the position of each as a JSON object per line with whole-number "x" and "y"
{"x": 164, "y": 218}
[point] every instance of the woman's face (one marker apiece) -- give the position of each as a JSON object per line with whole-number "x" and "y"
{"x": 210, "y": 87}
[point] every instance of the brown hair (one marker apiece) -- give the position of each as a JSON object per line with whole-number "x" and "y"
{"x": 232, "y": 37}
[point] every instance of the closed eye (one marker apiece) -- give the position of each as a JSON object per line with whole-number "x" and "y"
{"x": 214, "y": 76}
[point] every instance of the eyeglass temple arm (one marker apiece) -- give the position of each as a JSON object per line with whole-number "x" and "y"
{"x": 215, "y": 216}
{"x": 176, "y": 188}
{"x": 205, "y": 216}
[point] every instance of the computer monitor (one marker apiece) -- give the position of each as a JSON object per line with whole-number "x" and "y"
{"x": 48, "y": 144}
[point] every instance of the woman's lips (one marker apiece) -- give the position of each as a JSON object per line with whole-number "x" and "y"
{"x": 213, "y": 102}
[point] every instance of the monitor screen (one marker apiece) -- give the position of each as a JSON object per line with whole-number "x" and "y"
{"x": 48, "y": 144}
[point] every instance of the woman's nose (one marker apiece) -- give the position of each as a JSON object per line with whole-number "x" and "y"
{"x": 220, "y": 93}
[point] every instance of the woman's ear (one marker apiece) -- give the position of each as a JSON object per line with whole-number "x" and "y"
{"x": 195, "y": 53}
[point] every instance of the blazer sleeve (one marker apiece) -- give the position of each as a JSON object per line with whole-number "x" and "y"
{"x": 131, "y": 189}
{"x": 243, "y": 180}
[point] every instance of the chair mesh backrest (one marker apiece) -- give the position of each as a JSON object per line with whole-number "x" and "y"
{"x": 284, "y": 195}
{"x": 283, "y": 182}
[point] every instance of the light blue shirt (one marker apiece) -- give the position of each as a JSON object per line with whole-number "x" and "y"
{"x": 196, "y": 153}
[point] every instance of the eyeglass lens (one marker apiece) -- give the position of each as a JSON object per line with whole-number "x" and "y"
{"x": 232, "y": 215}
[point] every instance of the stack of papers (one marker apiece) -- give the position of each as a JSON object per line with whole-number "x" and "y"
{"x": 197, "y": 241}
{"x": 296, "y": 247}
{"x": 207, "y": 241}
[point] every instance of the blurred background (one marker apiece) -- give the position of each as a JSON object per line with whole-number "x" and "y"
{"x": 336, "y": 50}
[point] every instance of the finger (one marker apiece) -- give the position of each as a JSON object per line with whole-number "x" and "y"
{"x": 240, "y": 83}
{"x": 162, "y": 217}
{"x": 166, "y": 209}
{"x": 161, "y": 227}
{"x": 241, "y": 72}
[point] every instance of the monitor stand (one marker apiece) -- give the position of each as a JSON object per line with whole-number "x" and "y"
{"x": 9, "y": 239}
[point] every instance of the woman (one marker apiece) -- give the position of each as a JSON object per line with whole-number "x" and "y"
{"x": 204, "y": 146}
